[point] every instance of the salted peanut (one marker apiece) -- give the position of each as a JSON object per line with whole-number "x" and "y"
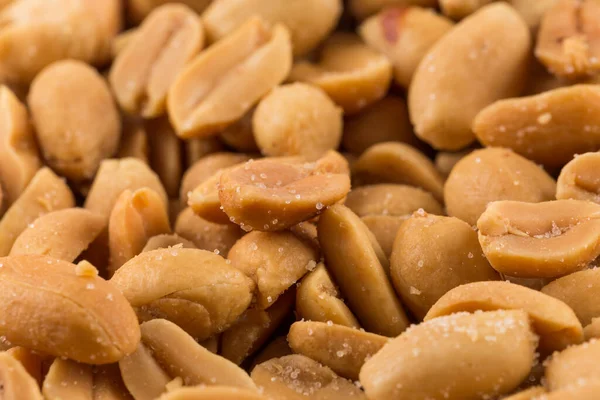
{"x": 404, "y": 35}
{"x": 352, "y": 74}
{"x": 240, "y": 135}
{"x": 592, "y": 330}
{"x": 212, "y": 393}
{"x": 338, "y": 347}
{"x": 134, "y": 141}
{"x": 492, "y": 174}
{"x": 389, "y": 199}
{"x": 362, "y": 9}
{"x": 15, "y": 382}
{"x": 136, "y": 217}
{"x": 45, "y": 193}
{"x": 196, "y": 289}
{"x": 579, "y": 179}
{"x": 346, "y": 241}
{"x": 32, "y": 362}
{"x": 429, "y": 246}
{"x": 547, "y": 128}
{"x": 138, "y": 10}
{"x": 458, "y": 9}
{"x": 19, "y": 157}
{"x": 306, "y": 231}
{"x": 398, "y": 163}
{"x": 276, "y": 348}
{"x": 540, "y": 240}
{"x": 206, "y": 235}
{"x": 297, "y": 120}
{"x": 62, "y": 234}
{"x": 577, "y": 290}
{"x": 296, "y": 377}
{"x": 445, "y": 161}
{"x": 383, "y": 121}
{"x": 317, "y": 299}
{"x": 80, "y": 317}
{"x": 462, "y": 356}
{"x": 143, "y": 376}
{"x": 166, "y": 154}
{"x": 143, "y": 72}
{"x": 384, "y": 228}
{"x": 581, "y": 390}
{"x": 475, "y": 43}
{"x": 75, "y": 117}
{"x": 577, "y": 363}
{"x": 195, "y": 149}
{"x": 165, "y": 241}
{"x": 275, "y": 194}
{"x": 552, "y": 319}
{"x": 122, "y": 40}
{"x": 223, "y": 83}
{"x": 36, "y": 33}
{"x": 117, "y": 175}
{"x": 568, "y": 41}
{"x": 254, "y": 328}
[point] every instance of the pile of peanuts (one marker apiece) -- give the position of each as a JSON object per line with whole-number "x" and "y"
{"x": 292, "y": 199}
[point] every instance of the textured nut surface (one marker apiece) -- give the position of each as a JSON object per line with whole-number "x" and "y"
{"x": 338, "y": 347}
{"x": 16, "y": 383}
{"x": 361, "y": 270}
{"x": 351, "y": 73}
{"x": 196, "y": 289}
{"x": 548, "y": 128}
{"x": 297, "y": 120}
{"x": 80, "y": 317}
{"x": 579, "y": 179}
{"x": 493, "y": 174}
{"x": 364, "y": 8}
{"x": 421, "y": 363}
{"x": 572, "y": 365}
{"x": 552, "y": 319}
{"x": 222, "y": 83}
{"x": 143, "y": 72}
{"x": 166, "y": 154}
{"x": 404, "y": 35}
{"x": 388, "y": 199}
{"x": 207, "y": 235}
{"x": 75, "y": 117}
{"x": 493, "y": 47}
{"x": 432, "y": 255}
{"x": 540, "y": 240}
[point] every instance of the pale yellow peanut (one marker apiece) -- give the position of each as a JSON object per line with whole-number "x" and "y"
{"x": 16, "y": 383}
{"x": 137, "y": 10}
{"x": 62, "y": 234}
{"x": 19, "y": 156}
{"x": 167, "y": 240}
{"x": 45, "y": 193}
{"x": 390, "y": 199}
{"x": 540, "y": 240}
{"x": 338, "y": 347}
{"x": 579, "y": 179}
{"x": 572, "y": 365}
{"x": 80, "y": 317}
{"x": 196, "y": 289}
{"x": 145, "y": 69}
{"x": 361, "y": 9}
{"x": 222, "y": 83}
{"x": 134, "y": 141}
{"x": 166, "y": 154}
{"x": 384, "y": 228}
{"x": 486, "y": 74}
{"x": 212, "y": 393}
{"x": 240, "y": 135}
{"x": 75, "y": 117}
{"x": 554, "y": 321}
{"x": 592, "y": 330}
{"x": 462, "y": 356}
{"x": 207, "y": 235}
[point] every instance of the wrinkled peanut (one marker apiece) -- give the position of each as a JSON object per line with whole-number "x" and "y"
{"x": 15, "y": 382}
{"x": 577, "y": 363}
{"x": 364, "y": 8}
{"x": 579, "y": 180}
{"x": 387, "y": 199}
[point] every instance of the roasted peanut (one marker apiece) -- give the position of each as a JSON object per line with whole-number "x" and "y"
{"x": 364, "y": 8}
{"x": 580, "y": 390}
{"x": 395, "y": 200}
{"x": 195, "y": 149}
{"x": 31, "y": 361}
{"x": 15, "y": 382}
{"x": 122, "y": 40}
{"x": 137, "y": 10}
{"x": 211, "y": 93}
{"x": 592, "y": 330}
{"x": 575, "y": 364}
{"x": 579, "y": 179}
{"x": 528, "y": 394}
{"x": 540, "y": 240}
{"x": 143, "y": 72}
{"x": 384, "y": 228}
{"x": 445, "y": 161}
{"x": 532, "y": 11}
{"x": 493, "y": 174}
{"x": 458, "y": 9}
{"x": 166, "y": 154}
{"x": 212, "y": 393}
{"x": 488, "y": 74}
{"x": 278, "y": 347}
{"x": 404, "y": 35}
{"x": 240, "y": 135}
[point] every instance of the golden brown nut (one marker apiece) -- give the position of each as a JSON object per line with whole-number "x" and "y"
{"x": 137, "y": 10}
{"x": 165, "y": 241}
{"x": 143, "y": 72}
{"x": 540, "y": 240}
{"x": 205, "y": 202}
{"x": 493, "y": 174}
{"x": 384, "y": 228}
{"x": 351, "y": 73}
{"x": 568, "y": 41}
{"x": 361, "y": 270}
{"x": 309, "y": 21}
{"x": 276, "y": 348}
{"x": 297, "y": 377}
{"x": 404, "y": 35}
{"x": 196, "y": 289}
{"x": 579, "y": 179}
{"x": 361, "y": 9}
{"x": 592, "y": 330}
{"x": 80, "y": 317}
{"x": 240, "y": 135}
{"x": 274, "y": 260}
{"x": 547, "y": 128}
{"x": 76, "y": 120}
{"x": 45, "y": 193}
{"x": 297, "y": 120}
{"x": 62, "y": 234}
{"x": 338, "y": 347}
{"x": 31, "y": 361}
{"x": 388, "y": 199}
{"x": 134, "y": 141}
{"x": 458, "y": 357}
{"x": 212, "y": 393}
{"x": 552, "y": 319}
{"x": 276, "y": 194}
{"x": 207, "y": 235}
{"x": 433, "y": 255}
{"x": 16, "y": 383}
{"x": 492, "y": 47}
{"x": 222, "y": 83}
{"x": 19, "y": 157}
{"x": 166, "y": 154}
{"x": 383, "y": 121}
{"x": 398, "y": 163}
{"x": 572, "y": 365}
